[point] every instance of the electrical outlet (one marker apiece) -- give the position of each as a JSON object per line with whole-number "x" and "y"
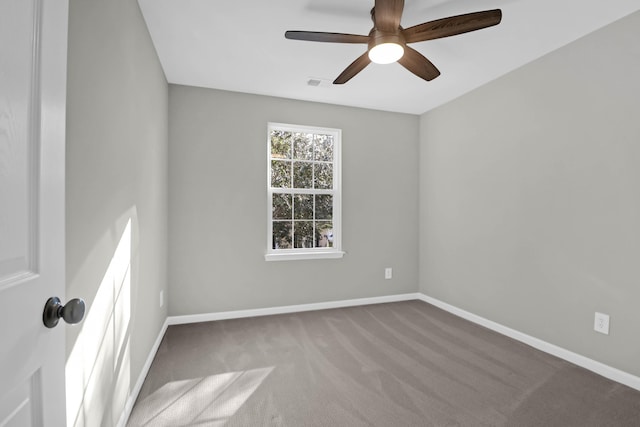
{"x": 601, "y": 323}
{"x": 161, "y": 298}
{"x": 388, "y": 273}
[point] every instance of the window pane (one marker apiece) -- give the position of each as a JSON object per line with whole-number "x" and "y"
{"x": 303, "y": 234}
{"x": 323, "y": 175}
{"x": 281, "y": 144}
{"x": 303, "y": 146}
{"x": 324, "y": 148}
{"x": 324, "y": 206}
{"x": 281, "y": 206}
{"x": 302, "y": 174}
{"x": 303, "y": 186}
{"x": 282, "y": 235}
{"x": 280, "y": 174}
{"x": 303, "y": 207}
{"x": 324, "y": 234}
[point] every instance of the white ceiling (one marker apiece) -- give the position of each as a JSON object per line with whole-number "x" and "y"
{"x": 239, "y": 45}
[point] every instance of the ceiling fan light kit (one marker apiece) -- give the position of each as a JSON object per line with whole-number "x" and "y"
{"x": 386, "y": 53}
{"x": 387, "y": 41}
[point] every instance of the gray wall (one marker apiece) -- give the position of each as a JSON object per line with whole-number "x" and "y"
{"x": 529, "y": 197}
{"x": 218, "y": 204}
{"x": 116, "y": 171}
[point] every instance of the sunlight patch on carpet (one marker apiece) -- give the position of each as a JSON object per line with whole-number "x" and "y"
{"x": 211, "y": 400}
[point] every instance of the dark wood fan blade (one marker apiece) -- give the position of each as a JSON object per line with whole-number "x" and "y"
{"x": 387, "y": 14}
{"x": 313, "y": 36}
{"x": 452, "y": 26}
{"x": 413, "y": 61}
{"x": 353, "y": 69}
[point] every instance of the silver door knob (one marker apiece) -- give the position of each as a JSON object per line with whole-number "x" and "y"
{"x": 72, "y": 312}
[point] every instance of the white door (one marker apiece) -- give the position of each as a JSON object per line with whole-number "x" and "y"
{"x": 33, "y": 56}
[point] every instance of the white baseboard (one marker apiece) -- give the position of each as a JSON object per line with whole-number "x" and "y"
{"x": 208, "y": 317}
{"x": 575, "y": 358}
{"x": 133, "y": 396}
{"x": 179, "y": 320}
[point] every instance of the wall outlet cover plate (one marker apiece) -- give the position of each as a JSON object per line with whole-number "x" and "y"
{"x": 601, "y": 323}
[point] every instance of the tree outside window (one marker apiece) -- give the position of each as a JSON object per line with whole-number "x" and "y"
{"x": 303, "y": 190}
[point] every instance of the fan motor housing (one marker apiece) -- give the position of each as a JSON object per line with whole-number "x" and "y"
{"x": 377, "y": 37}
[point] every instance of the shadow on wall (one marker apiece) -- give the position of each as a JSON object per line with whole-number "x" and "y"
{"x": 98, "y": 368}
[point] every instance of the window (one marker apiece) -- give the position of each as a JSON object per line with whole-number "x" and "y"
{"x": 303, "y": 188}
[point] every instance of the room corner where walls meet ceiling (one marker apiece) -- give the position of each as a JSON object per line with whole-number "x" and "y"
{"x": 240, "y": 46}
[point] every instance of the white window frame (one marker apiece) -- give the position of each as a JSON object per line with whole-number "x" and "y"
{"x": 307, "y": 253}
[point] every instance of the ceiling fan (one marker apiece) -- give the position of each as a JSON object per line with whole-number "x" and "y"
{"x": 387, "y": 41}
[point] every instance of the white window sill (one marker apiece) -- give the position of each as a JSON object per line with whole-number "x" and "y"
{"x": 294, "y": 256}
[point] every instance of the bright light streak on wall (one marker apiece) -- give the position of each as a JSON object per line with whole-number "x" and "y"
{"x": 98, "y": 368}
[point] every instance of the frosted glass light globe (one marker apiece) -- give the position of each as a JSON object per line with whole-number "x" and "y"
{"x": 386, "y": 53}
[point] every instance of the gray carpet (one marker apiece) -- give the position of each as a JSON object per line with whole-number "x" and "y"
{"x": 396, "y": 364}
